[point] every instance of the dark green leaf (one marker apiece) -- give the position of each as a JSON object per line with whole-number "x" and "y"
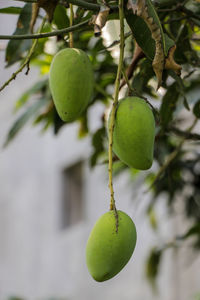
{"x": 141, "y": 33}
{"x": 184, "y": 52}
{"x": 98, "y": 145}
{"x": 16, "y": 48}
{"x": 152, "y": 264}
{"x": 36, "y": 88}
{"x": 196, "y": 109}
{"x": 60, "y": 19}
{"x": 168, "y": 105}
{"x": 168, "y": 43}
{"x": 140, "y": 80}
{"x": 181, "y": 88}
{"x": 194, "y": 230}
{"x": 196, "y": 21}
{"x": 10, "y": 10}
{"x": 23, "y": 119}
{"x": 143, "y": 36}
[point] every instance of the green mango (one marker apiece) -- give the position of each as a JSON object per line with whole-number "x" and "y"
{"x": 134, "y": 133}
{"x": 108, "y": 250}
{"x": 71, "y": 82}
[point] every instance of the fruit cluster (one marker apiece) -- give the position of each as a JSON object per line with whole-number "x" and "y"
{"x": 113, "y": 238}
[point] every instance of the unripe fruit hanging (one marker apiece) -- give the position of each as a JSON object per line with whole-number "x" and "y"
{"x": 71, "y": 82}
{"x": 108, "y": 250}
{"x": 134, "y": 133}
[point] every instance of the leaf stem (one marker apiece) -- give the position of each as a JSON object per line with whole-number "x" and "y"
{"x": 114, "y": 107}
{"x": 26, "y": 61}
{"x": 46, "y": 34}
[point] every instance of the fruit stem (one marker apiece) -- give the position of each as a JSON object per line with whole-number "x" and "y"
{"x": 114, "y": 107}
{"x": 71, "y": 19}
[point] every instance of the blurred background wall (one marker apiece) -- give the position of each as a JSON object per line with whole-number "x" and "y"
{"x": 49, "y": 202}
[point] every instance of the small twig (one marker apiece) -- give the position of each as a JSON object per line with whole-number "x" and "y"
{"x": 47, "y": 34}
{"x": 166, "y": 9}
{"x": 176, "y": 19}
{"x": 178, "y": 6}
{"x": 131, "y": 90}
{"x": 195, "y": 39}
{"x": 102, "y": 91}
{"x": 28, "y": 67}
{"x": 190, "y": 13}
{"x": 116, "y": 42}
{"x": 189, "y": 74}
{"x": 26, "y": 61}
{"x": 187, "y": 135}
{"x": 172, "y": 156}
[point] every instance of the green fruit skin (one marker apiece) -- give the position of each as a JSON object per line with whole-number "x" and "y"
{"x": 108, "y": 251}
{"x": 134, "y": 133}
{"x": 71, "y": 82}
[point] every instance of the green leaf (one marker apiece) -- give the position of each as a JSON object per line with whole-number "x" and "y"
{"x": 141, "y": 79}
{"x": 97, "y": 143}
{"x": 194, "y": 230}
{"x": 11, "y": 10}
{"x": 16, "y": 48}
{"x": 181, "y": 88}
{"x": 168, "y": 105}
{"x": 196, "y": 109}
{"x": 152, "y": 217}
{"x": 143, "y": 36}
{"x": 60, "y": 19}
{"x": 152, "y": 265}
{"x": 169, "y": 43}
{"x": 141, "y": 33}
{"x": 153, "y": 14}
{"x": 184, "y": 52}
{"x": 36, "y": 88}
{"x": 23, "y": 119}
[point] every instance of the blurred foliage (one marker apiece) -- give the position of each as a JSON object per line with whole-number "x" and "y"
{"x": 152, "y": 265}
{"x": 177, "y": 102}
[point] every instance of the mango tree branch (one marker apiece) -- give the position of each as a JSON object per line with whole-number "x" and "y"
{"x": 187, "y": 135}
{"x": 26, "y": 61}
{"x": 113, "y": 111}
{"x": 46, "y": 34}
{"x": 81, "y": 3}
